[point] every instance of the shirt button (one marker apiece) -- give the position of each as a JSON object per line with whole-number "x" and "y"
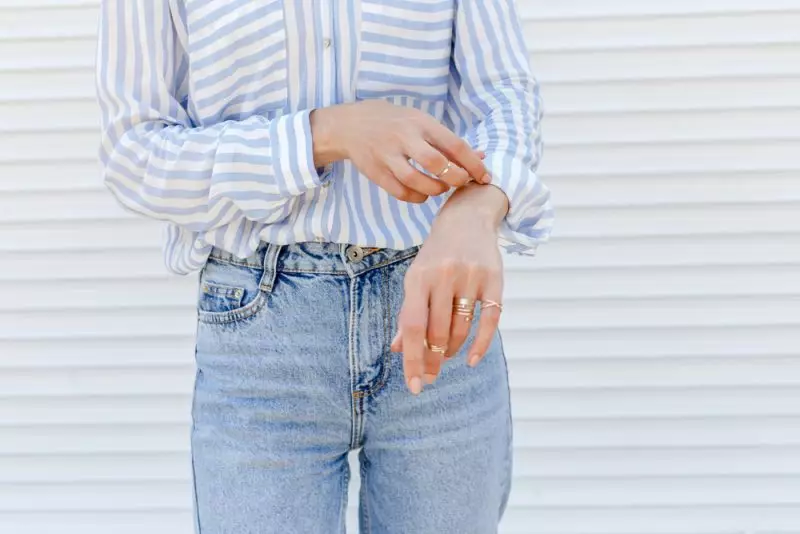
{"x": 326, "y": 42}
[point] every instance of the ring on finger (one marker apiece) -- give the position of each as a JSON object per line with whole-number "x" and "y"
{"x": 464, "y": 307}
{"x": 491, "y": 304}
{"x": 445, "y": 170}
{"x": 439, "y": 349}
{"x": 468, "y": 316}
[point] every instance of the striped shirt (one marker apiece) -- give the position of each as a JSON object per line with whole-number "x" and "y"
{"x": 205, "y": 115}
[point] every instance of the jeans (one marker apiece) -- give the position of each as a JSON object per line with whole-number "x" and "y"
{"x": 294, "y": 370}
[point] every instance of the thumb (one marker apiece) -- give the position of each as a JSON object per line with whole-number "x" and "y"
{"x": 397, "y": 342}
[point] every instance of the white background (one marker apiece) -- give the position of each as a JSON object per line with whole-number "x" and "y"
{"x": 654, "y": 346}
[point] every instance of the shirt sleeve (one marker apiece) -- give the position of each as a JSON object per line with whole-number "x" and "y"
{"x": 158, "y": 163}
{"x": 498, "y": 99}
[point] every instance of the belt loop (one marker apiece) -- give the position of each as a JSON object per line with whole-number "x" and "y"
{"x": 270, "y": 267}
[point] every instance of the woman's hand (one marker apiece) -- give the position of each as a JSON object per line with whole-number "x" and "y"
{"x": 460, "y": 259}
{"x": 379, "y": 138}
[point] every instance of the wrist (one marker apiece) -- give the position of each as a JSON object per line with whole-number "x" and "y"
{"x": 327, "y": 146}
{"x": 484, "y": 203}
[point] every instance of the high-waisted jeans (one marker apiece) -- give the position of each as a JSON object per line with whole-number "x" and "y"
{"x": 294, "y": 371}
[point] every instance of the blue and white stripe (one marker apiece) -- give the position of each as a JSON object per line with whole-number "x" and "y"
{"x": 206, "y": 103}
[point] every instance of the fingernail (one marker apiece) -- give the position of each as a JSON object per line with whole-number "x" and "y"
{"x": 430, "y": 379}
{"x": 415, "y": 385}
{"x": 486, "y": 179}
{"x": 396, "y": 336}
{"x": 473, "y": 360}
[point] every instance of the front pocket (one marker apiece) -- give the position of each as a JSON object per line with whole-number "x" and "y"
{"x": 405, "y": 49}
{"x": 228, "y": 292}
{"x": 220, "y": 298}
{"x": 238, "y": 57}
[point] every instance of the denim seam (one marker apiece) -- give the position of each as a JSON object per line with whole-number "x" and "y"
{"x": 389, "y": 262}
{"x": 244, "y": 263}
{"x": 353, "y": 366}
{"x": 194, "y": 471}
{"x": 269, "y": 268}
{"x": 386, "y": 348}
{"x": 312, "y": 271}
{"x": 233, "y": 316}
{"x": 238, "y": 263}
{"x": 387, "y": 328}
{"x": 365, "y": 518}
{"x": 343, "y": 505}
{"x": 368, "y": 269}
{"x": 509, "y": 457}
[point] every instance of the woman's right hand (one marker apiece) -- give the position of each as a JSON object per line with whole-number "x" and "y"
{"x": 379, "y": 138}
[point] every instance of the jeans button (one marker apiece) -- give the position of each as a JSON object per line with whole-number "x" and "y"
{"x": 355, "y": 254}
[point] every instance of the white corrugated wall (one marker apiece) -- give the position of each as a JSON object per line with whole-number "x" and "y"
{"x": 654, "y": 345}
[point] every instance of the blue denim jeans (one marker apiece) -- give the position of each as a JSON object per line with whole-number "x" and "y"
{"x": 294, "y": 371}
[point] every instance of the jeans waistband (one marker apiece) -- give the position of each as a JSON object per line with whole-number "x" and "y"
{"x": 321, "y": 258}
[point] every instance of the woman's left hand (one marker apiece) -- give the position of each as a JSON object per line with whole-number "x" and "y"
{"x": 460, "y": 259}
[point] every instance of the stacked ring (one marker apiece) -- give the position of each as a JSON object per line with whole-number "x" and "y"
{"x": 465, "y": 308}
{"x": 439, "y": 349}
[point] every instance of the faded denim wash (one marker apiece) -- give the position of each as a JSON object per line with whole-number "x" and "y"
{"x": 294, "y": 370}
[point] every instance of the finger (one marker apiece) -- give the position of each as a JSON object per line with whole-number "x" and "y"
{"x": 435, "y": 163}
{"x": 439, "y": 315}
{"x": 386, "y": 179}
{"x": 458, "y": 151}
{"x": 397, "y": 342}
{"x": 411, "y": 178}
{"x": 413, "y": 326}
{"x": 488, "y": 322}
{"x": 461, "y": 325}
{"x": 433, "y": 366}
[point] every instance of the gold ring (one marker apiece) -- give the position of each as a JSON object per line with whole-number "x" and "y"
{"x": 491, "y": 304}
{"x": 464, "y": 307}
{"x": 440, "y": 349}
{"x": 445, "y": 170}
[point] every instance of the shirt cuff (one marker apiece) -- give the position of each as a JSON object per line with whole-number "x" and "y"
{"x": 529, "y": 220}
{"x": 293, "y": 154}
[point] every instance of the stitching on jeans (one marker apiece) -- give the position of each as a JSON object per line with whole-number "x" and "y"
{"x": 233, "y": 316}
{"x": 509, "y": 456}
{"x": 311, "y": 271}
{"x": 343, "y": 505}
{"x": 239, "y": 263}
{"x": 352, "y": 363}
{"x": 387, "y": 351}
{"x": 245, "y": 263}
{"x": 387, "y": 326}
{"x": 194, "y": 471}
{"x": 391, "y": 261}
{"x": 365, "y": 518}
{"x": 370, "y": 268}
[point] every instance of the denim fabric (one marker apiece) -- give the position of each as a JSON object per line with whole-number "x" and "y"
{"x": 294, "y": 370}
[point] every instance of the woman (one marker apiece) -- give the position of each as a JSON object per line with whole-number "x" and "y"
{"x": 325, "y": 165}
